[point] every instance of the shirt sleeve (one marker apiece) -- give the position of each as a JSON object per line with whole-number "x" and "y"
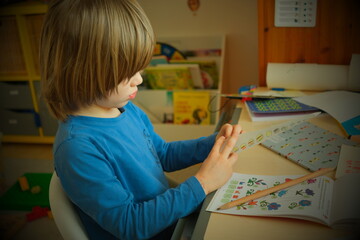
{"x": 91, "y": 184}
{"x": 179, "y": 154}
{"x": 182, "y": 154}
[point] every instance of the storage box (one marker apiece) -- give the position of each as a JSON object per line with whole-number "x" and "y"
{"x": 19, "y": 122}
{"x": 15, "y": 95}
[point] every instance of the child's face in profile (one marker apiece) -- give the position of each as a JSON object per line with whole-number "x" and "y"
{"x": 126, "y": 91}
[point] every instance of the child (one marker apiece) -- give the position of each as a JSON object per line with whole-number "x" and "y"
{"x": 107, "y": 155}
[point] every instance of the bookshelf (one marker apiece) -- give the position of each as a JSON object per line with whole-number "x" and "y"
{"x": 24, "y": 118}
{"x": 156, "y": 101}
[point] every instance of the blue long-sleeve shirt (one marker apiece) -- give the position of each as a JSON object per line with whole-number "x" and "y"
{"x": 112, "y": 169}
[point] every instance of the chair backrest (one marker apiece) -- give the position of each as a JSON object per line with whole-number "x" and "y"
{"x": 66, "y": 218}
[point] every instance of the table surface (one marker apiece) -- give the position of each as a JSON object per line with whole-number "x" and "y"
{"x": 261, "y": 161}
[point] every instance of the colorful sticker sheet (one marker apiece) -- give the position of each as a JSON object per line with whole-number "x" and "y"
{"x": 250, "y": 139}
{"x": 308, "y": 200}
{"x": 308, "y": 145}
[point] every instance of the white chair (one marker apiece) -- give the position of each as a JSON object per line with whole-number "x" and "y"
{"x": 66, "y": 218}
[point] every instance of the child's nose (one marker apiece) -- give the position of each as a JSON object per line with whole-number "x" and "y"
{"x": 137, "y": 79}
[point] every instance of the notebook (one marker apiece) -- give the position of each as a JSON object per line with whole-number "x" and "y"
{"x": 277, "y": 109}
{"x": 308, "y": 145}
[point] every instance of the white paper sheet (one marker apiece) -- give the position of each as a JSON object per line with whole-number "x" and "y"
{"x": 349, "y": 161}
{"x": 354, "y": 72}
{"x": 310, "y": 76}
{"x": 307, "y": 76}
{"x": 342, "y": 105}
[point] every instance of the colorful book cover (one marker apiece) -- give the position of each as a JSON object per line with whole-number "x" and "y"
{"x": 308, "y": 145}
{"x": 209, "y": 71}
{"x": 169, "y": 78}
{"x": 278, "y": 105}
{"x": 169, "y": 51}
{"x": 191, "y": 107}
{"x": 194, "y": 70}
{"x": 277, "y": 109}
{"x": 159, "y": 59}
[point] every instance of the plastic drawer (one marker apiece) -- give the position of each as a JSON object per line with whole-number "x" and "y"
{"x": 13, "y": 122}
{"x": 15, "y": 95}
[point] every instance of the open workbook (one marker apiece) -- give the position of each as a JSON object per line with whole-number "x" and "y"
{"x": 322, "y": 200}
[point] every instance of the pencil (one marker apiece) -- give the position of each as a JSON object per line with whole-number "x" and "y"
{"x": 279, "y": 187}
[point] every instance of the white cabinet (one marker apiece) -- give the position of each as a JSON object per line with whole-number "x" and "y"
{"x": 157, "y": 102}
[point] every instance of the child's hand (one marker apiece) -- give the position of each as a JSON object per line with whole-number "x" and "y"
{"x": 218, "y": 166}
{"x": 227, "y": 129}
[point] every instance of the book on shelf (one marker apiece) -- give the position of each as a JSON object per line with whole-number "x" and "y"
{"x": 194, "y": 71}
{"x": 203, "y": 52}
{"x": 277, "y": 109}
{"x": 191, "y": 107}
{"x": 170, "y": 78}
{"x": 323, "y": 200}
{"x": 308, "y": 145}
{"x": 171, "y": 52}
{"x": 209, "y": 71}
{"x": 158, "y": 59}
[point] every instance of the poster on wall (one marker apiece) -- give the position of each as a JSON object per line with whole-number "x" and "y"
{"x": 290, "y": 13}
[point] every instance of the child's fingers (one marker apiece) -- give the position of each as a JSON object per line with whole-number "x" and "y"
{"x": 229, "y": 144}
{"x": 225, "y": 130}
{"x": 218, "y": 143}
{"x": 228, "y": 130}
{"x": 233, "y": 157}
{"x": 237, "y": 129}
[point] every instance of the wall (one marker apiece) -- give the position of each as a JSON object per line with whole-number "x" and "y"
{"x": 237, "y": 19}
{"x": 333, "y": 40}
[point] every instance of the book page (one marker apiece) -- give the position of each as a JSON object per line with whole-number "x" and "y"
{"x": 339, "y": 104}
{"x": 346, "y": 199}
{"x": 349, "y": 161}
{"x": 309, "y": 200}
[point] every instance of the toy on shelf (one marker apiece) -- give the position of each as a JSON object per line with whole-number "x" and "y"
{"x": 24, "y": 184}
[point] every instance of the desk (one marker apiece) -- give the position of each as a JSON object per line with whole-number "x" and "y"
{"x": 261, "y": 161}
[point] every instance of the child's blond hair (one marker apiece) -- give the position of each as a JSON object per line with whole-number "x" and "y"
{"x": 88, "y": 47}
